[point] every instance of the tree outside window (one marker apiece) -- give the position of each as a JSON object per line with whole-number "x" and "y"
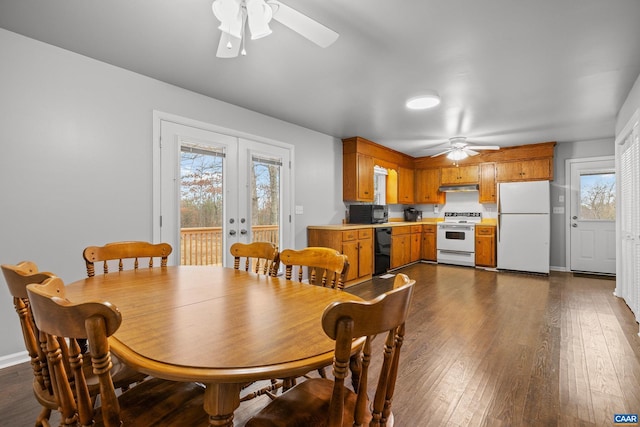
{"x": 598, "y": 196}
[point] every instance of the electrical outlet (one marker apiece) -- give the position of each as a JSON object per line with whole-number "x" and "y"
{"x": 561, "y": 198}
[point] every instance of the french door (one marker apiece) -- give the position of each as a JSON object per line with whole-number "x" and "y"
{"x": 216, "y": 189}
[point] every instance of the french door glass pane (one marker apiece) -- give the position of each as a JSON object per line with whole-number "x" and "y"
{"x": 598, "y": 196}
{"x": 265, "y": 199}
{"x": 201, "y": 205}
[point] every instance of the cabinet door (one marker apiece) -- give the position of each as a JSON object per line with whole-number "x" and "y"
{"x": 508, "y": 171}
{"x": 487, "y": 183}
{"x": 468, "y": 174}
{"x": 449, "y": 175}
{"x": 405, "y": 185}
{"x": 416, "y": 247}
{"x": 485, "y": 246}
{"x": 400, "y": 250}
{"x": 350, "y": 249}
{"x": 429, "y": 251}
{"x": 365, "y": 178}
{"x": 427, "y": 182}
{"x": 365, "y": 257}
{"x": 536, "y": 169}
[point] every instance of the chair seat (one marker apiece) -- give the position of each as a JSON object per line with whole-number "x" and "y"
{"x": 305, "y": 405}
{"x": 185, "y": 409}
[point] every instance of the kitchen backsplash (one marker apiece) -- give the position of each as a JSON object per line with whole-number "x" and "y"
{"x": 456, "y": 202}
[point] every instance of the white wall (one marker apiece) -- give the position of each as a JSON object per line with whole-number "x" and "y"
{"x": 76, "y": 159}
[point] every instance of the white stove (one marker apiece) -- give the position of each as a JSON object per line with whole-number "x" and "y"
{"x": 456, "y": 238}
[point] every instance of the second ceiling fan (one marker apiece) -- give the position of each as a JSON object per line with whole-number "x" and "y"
{"x": 460, "y": 149}
{"x": 236, "y": 15}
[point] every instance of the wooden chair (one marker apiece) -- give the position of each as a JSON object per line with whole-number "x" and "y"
{"x": 259, "y": 257}
{"x": 153, "y": 402}
{"x": 17, "y": 278}
{"x": 125, "y": 250}
{"x": 324, "y": 266}
{"x": 323, "y": 402}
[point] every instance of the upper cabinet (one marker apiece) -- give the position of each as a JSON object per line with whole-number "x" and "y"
{"x": 525, "y": 170}
{"x": 487, "y": 183}
{"x": 357, "y": 177}
{"x": 405, "y": 185}
{"x": 359, "y": 156}
{"x": 459, "y": 175}
{"x": 418, "y": 179}
{"x": 427, "y": 182}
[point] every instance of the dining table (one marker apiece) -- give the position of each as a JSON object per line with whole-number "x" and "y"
{"x": 218, "y": 326}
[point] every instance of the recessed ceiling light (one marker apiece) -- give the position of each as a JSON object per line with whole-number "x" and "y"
{"x": 423, "y": 101}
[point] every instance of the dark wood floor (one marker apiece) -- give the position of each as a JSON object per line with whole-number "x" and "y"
{"x": 485, "y": 349}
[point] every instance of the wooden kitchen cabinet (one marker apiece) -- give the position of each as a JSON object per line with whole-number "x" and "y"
{"x": 400, "y": 246}
{"x": 459, "y": 175}
{"x": 405, "y": 185}
{"x": 485, "y": 246}
{"x": 416, "y": 243}
{"x": 357, "y": 177}
{"x": 487, "y": 193}
{"x": 429, "y": 251}
{"x": 525, "y": 170}
{"x": 356, "y": 244}
{"x": 427, "y": 182}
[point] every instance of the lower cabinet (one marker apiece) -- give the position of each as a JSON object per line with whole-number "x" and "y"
{"x": 429, "y": 251}
{"x": 485, "y": 246}
{"x": 356, "y": 244}
{"x": 400, "y": 245}
{"x": 416, "y": 243}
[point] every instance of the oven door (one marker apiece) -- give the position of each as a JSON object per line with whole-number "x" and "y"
{"x": 456, "y": 237}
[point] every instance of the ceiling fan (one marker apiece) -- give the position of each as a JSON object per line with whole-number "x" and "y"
{"x": 236, "y": 15}
{"x": 460, "y": 149}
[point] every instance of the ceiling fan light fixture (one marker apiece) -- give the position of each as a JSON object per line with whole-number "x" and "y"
{"x": 229, "y": 14}
{"x": 457, "y": 154}
{"x": 259, "y": 15}
{"x": 424, "y": 101}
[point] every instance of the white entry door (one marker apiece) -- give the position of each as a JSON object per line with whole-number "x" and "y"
{"x": 592, "y": 213}
{"x": 216, "y": 189}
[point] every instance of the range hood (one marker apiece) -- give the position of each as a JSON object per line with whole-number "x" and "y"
{"x": 458, "y": 188}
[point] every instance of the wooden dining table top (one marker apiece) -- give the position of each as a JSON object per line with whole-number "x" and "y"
{"x": 214, "y": 324}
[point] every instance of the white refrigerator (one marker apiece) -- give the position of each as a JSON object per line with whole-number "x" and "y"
{"x": 524, "y": 226}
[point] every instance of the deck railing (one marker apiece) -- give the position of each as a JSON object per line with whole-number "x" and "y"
{"x": 203, "y": 245}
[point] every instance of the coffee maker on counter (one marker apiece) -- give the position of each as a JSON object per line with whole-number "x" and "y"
{"x": 412, "y": 215}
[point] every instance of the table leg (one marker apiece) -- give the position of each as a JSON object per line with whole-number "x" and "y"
{"x": 220, "y": 401}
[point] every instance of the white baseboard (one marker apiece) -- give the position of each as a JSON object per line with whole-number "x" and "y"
{"x": 14, "y": 359}
{"x": 553, "y": 268}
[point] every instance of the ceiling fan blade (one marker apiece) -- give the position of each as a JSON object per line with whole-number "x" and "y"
{"x": 305, "y": 26}
{"x": 485, "y": 147}
{"x": 471, "y": 152}
{"x": 444, "y": 152}
{"x": 224, "y": 51}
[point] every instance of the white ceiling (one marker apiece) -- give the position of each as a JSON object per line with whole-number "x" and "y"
{"x": 509, "y": 72}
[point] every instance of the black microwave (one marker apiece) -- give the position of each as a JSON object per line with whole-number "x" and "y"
{"x": 368, "y": 214}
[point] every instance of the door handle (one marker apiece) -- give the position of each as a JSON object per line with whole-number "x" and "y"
{"x": 232, "y": 232}
{"x": 574, "y": 217}
{"x": 243, "y": 231}
{"x": 574, "y": 225}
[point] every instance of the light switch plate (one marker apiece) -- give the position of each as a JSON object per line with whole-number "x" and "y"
{"x": 558, "y": 209}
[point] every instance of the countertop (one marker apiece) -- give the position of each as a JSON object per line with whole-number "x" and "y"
{"x": 430, "y": 221}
